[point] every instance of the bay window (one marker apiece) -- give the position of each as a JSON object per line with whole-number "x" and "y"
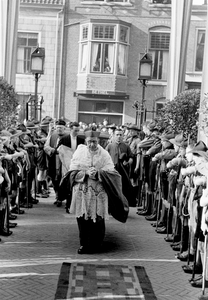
{"x": 104, "y": 48}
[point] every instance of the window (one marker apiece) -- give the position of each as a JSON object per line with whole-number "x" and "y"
{"x": 158, "y": 107}
{"x": 200, "y": 50}
{"x": 108, "y": 45}
{"x": 84, "y": 32}
{"x": 159, "y": 49}
{"x": 161, "y": 1}
{"x": 91, "y": 111}
{"x": 102, "y": 57}
{"x": 25, "y": 44}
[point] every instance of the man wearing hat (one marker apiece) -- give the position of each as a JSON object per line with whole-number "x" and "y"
{"x": 51, "y": 149}
{"x": 133, "y": 141}
{"x": 200, "y": 157}
{"x": 90, "y": 197}
{"x": 5, "y": 184}
{"x": 174, "y": 185}
{"x": 146, "y": 149}
{"x": 111, "y": 128}
{"x": 14, "y": 158}
{"x": 27, "y": 142}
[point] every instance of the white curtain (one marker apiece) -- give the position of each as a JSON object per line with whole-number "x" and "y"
{"x": 110, "y": 57}
{"x": 84, "y": 58}
{"x": 95, "y": 60}
{"x": 121, "y": 59}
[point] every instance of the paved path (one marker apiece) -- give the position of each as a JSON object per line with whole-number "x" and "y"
{"x": 31, "y": 258}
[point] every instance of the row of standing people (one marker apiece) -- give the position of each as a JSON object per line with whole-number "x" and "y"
{"x": 173, "y": 197}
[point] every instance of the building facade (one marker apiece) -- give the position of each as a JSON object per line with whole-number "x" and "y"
{"x": 93, "y": 49}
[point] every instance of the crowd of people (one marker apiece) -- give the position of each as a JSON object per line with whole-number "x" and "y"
{"x": 101, "y": 169}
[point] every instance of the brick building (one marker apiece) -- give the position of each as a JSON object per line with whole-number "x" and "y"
{"x": 92, "y": 55}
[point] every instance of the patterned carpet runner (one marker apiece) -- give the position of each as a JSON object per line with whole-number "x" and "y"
{"x": 80, "y": 281}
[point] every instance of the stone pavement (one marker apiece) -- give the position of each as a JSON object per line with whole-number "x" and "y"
{"x": 46, "y": 236}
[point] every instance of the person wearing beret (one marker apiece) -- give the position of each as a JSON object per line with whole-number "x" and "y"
{"x": 90, "y": 167}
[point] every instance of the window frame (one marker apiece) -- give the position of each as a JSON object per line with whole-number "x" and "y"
{"x": 25, "y": 32}
{"x": 159, "y": 51}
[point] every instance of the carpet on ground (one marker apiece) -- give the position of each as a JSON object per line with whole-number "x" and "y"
{"x": 83, "y": 281}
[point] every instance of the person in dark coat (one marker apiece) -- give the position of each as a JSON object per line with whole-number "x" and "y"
{"x": 50, "y": 148}
{"x": 122, "y": 157}
{"x": 60, "y": 138}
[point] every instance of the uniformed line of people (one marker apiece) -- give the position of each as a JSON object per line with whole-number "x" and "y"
{"x": 173, "y": 195}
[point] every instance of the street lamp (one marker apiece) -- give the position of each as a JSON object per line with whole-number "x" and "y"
{"x": 145, "y": 73}
{"x": 37, "y": 68}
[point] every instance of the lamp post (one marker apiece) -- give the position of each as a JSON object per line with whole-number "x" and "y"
{"x": 145, "y": 73}
{"x": 37, "y": 68}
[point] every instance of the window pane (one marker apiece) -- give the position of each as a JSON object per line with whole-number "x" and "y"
{"x": 85, "y": 32}
{"x": 94, "y": 118}
{"x": 103, "y": 32}
{"x": 160, "y": 64}
{"x": 122, "y": 60}
{"x": 96, "y": 58}
{"x": 200, "y": 50}
{"x": 159, "y": 40}
{"x": 20, "y": 60}
{"x": 85, "y": 105}
{"x": 108, "y": 58}
{"x": 84, "y": 58}
{"x": 116, "y": 107}
{"x": 159, "y": 106}
{"x": 101, "y": 107}
{"x": 22, "y": 42}
{"x": 123, "y": 34}
{"x": 161, "y": 1}
{"x": 32, "y": 42}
